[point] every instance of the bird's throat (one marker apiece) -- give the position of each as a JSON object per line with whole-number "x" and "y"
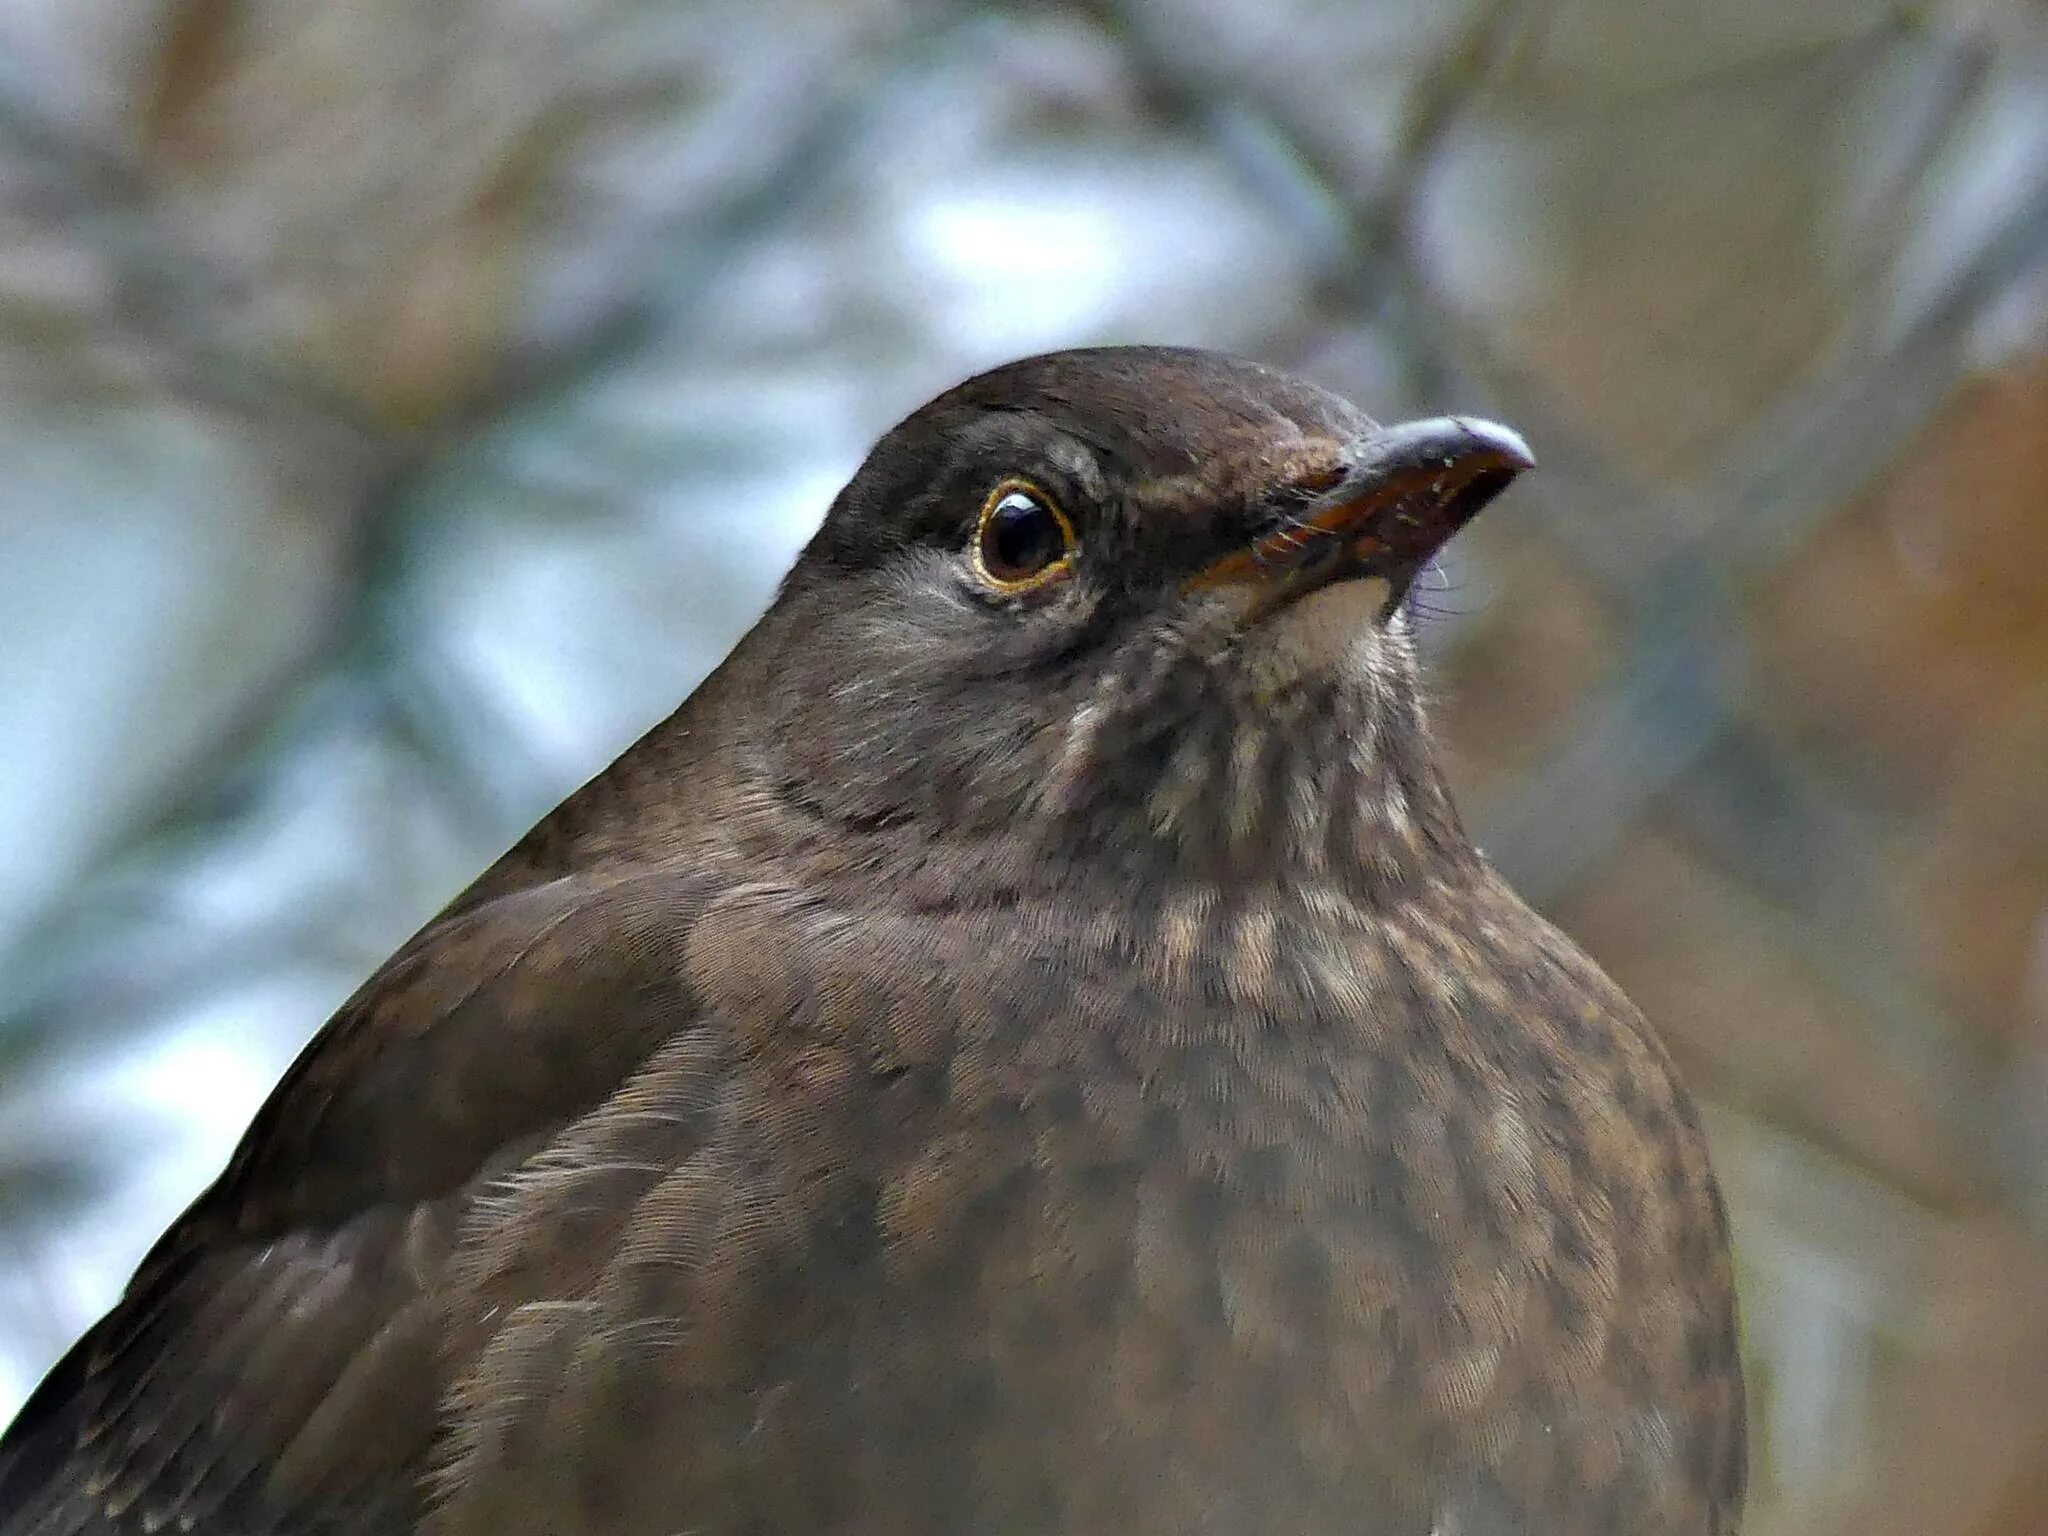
{"x": 1327, "y": 632}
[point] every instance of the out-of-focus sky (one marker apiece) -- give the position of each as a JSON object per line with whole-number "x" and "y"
{"x": 403, "y": 406}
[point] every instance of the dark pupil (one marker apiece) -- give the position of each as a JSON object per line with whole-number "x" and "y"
{"x": 1022, "y": 538}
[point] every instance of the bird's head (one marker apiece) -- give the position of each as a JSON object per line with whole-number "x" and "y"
{"x": 1140, "y": 603}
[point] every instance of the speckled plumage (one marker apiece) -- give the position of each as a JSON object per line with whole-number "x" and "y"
{"x": 1048, "y": 1065}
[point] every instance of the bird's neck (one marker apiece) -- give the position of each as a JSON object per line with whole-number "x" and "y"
{"x": 1330, "y": 780}
{"x": 1174, "y": 778}
{"x": 1197, "y": 779}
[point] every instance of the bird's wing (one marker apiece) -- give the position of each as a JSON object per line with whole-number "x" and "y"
{"x": 278, "y": 1362}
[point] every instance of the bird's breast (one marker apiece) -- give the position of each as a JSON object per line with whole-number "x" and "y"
{"x": 1400, "y": 1207}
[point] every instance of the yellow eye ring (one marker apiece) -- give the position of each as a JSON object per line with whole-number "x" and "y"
{"x": 1023, "y": 540}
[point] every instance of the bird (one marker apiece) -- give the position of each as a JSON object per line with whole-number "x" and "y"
{"x": 1028, "y": 1046}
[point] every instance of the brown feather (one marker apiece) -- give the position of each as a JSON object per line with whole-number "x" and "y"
{"x": 1040, "y": 1064}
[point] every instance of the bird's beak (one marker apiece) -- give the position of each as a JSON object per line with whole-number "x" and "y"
{"x": 1398, "y": 501}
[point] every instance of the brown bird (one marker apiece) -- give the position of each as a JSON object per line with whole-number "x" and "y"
{"x": 1026, "y": 1048}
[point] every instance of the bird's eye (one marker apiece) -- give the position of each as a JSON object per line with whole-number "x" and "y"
{"x": 1023, "y": 540}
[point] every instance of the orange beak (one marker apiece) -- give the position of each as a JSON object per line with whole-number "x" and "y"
{"x": 1401, "y": 498}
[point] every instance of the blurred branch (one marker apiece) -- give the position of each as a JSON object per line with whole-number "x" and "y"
{"x": 695, "y": 244}
{"x": 171, "y": 296}
{"x": 1813, "y": 856}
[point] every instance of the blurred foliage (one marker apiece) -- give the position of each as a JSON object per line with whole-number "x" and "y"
{"x": 405, "y": 405}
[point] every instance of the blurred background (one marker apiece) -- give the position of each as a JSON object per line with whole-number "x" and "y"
{"x": 402, "y": 406}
